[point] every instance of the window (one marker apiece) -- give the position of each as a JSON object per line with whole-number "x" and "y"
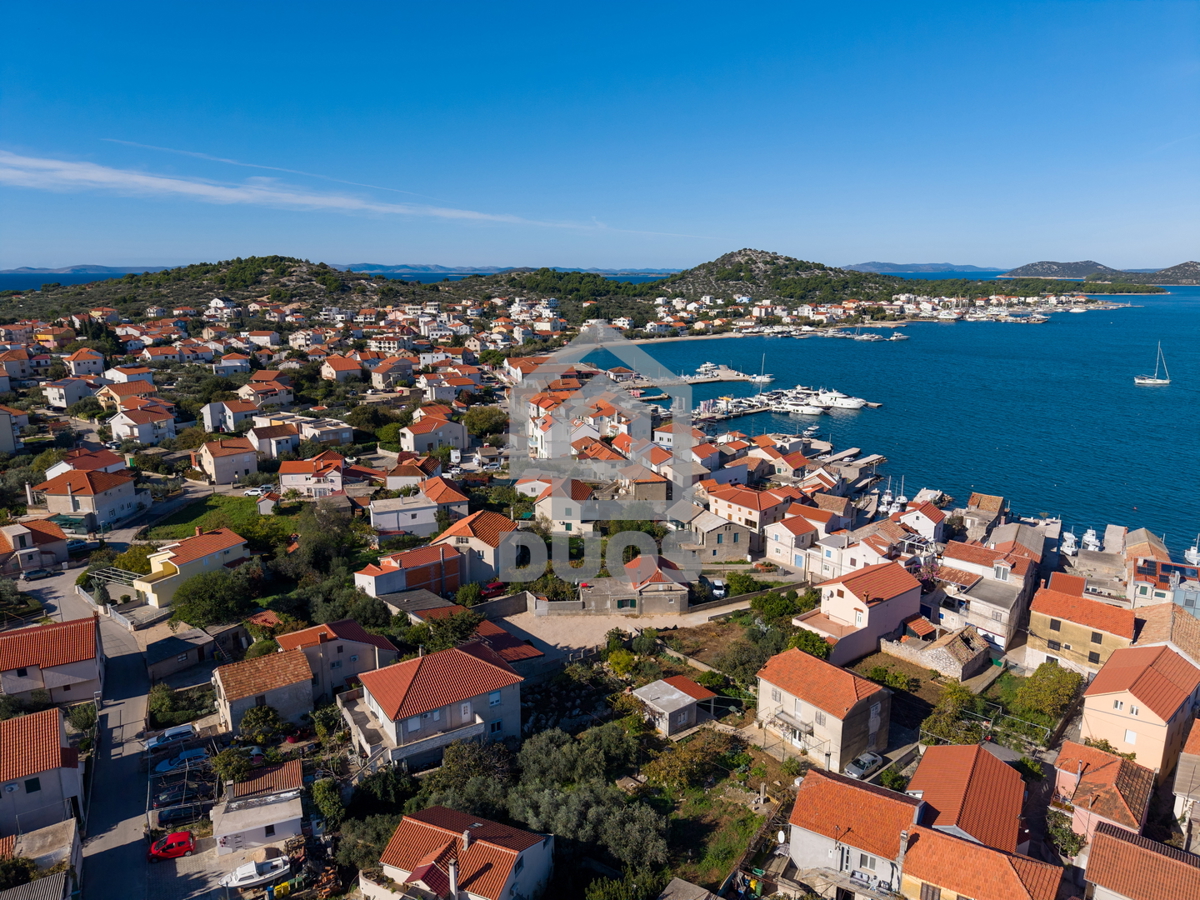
{"x": 496, "y": 727}
{"x": 520, "y": 864}
{"x": 735, "y": 537}
{"x": 866, "y": 862}
{"x": 929, "y": 892}
{"x": 494, "y": 698}
{"x": 260, "y": 700}
{"x": 1133, "y": 710}
{"x": 626, "y": 604}
{"x": 721, "y": 538}
{"x": 22, "y": 672}
{"x": 33, "y": 785}
{"x": 853, "y": 562}
{"x": 1001, "y": 573}
{"x": 1143, "y": 590}
{"x": 1130, "y": 736}
{"x": 341, "y": 647}
{"x": 66, "y": 687}
{"x": 1118, "y": 704}
{"x": 997, "y": 615}
{"x": 1056, "y": 625}
{"x": 462, "y": 540}
{"x": 567, "y": 526}
{"x": 269, "y": 831}
{"x": 858, "y": 618}
{"x": 796, "y": 705}
{"x": 566, "y": 511}
{"x": 336, "y": 665}
{"x": 182, "y": 657}
{"x": 465, "y": 710}
{"x": 1054, "y": 645}
{"x": 437, "y": 715}
{"x": 775, "y": 695}
{"x": 1094, "y": 658}
{"x": 414, "y": 723}
{"x": 819, "y": 718}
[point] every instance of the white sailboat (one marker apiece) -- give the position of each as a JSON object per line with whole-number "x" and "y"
{"x": 1154, "y": 379}
{"x": 762, "y": 377}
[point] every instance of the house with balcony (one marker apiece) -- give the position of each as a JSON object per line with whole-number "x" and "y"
{"x": 31, "y": 544}
{"x": 40, "y": 773}
{"x": 111, "y": 396}
{"x": 226, "y": 460}
{"x": 64, "y": 659}
{"x": 173, "y": 564}
{"x": 281, "y": 680}
{"x": 1094, "y": 786}
{"x": 66, "y": 392}
{"x": 861, "y": 608}
{"x": 84, "y": 363}
{"x": 338, "y": 653}
{"x": 145, "y": 426}
{"x": 87, "y": 501}
{"x": 1141, "y": 701}
{"x": 1076, "y": 632}
{"x": 984, "y": 587}
{"x": 317, "y": 477}
{"x": 436, "y": 569}
{"x": 412, "y": 710}
{"x": 441, "y": 852}
{"x": 478, "y": 538}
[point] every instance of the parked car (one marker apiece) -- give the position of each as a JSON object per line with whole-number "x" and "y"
{"x": 495, "y": 589}
{"x": 491, "y": 467}
{"x": 179, "y": 815}
{"x": 183, "y": 760}
{"x": 76, "y": 544}
{"x": 719, "y": 589}
{"x": 38, "y": 574}
{"x": 171, "y": 736}
{"x": 185, "y": 792}
{"x": 863, "y": 766}
{"x": 181, "y": 843}
{"x": 254, "y": 492}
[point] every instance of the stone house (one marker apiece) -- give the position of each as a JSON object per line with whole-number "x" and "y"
{"x": 1075, "y": 632}
{"x": 715, "y": 539}
{"x": 279, "y": 680}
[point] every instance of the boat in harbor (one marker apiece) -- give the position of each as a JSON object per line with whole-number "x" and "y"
{"x": 762, "y": 377}
{"x": 838, "y": 400}
{"x": 1191, "y": 555}
{"x": 1091, "y": 542}
{"x": 869, "y": 337}
{"x": 1160, "y": 362}
{"x": 897, "y": 336}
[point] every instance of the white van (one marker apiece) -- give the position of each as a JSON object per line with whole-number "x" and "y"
{"x": 171, "y": 736}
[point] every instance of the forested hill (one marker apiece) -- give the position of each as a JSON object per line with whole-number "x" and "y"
{"x": 758, "y": 274}
{"x": 1089, "y": 270}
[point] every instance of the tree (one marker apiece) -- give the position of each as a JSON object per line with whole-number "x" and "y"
{"x": 646, "y": 643}
{"x": 211, "y": 598}
{"x": 101, "y": 596}
{"x": 232, "y": 764}
{"x": 364, "y": 840}
{"x": 810, "y": 642}
{"x": 16, "y": 871}
{"x": 687, "y": 763}
{"x": 1049, "y": 690}
{"x": 389, "y": 433}
{"x": 262, "y": 724}
{"x": 469, "y": 594}
{"x": 328, "y": 798}
{"x": 485, "y": 420}
{"x": 136, "y": 558}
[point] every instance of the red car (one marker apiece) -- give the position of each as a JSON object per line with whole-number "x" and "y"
{"x": 181, "y": 843}
{"x": 495, "y": 589}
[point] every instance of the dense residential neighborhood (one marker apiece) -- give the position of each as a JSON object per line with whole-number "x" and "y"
{"x": 296, "y": 598}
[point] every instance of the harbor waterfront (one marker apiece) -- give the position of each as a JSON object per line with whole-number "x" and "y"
{"x": 1048, "y": 417}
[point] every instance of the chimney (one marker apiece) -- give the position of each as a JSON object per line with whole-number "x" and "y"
{"x": 466, "y": 839}
{"x": 198, "y": 531}
{"x": 903, "y": 850}
{"x": 454, "y": 879}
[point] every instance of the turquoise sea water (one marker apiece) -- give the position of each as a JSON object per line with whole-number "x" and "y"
{"x": 1046, "y": 415}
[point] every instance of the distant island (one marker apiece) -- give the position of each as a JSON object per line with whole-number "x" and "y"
{"x": 1187, "y": 273}
{"x": 886, "y": 268}
{"x": 86, "y": 269}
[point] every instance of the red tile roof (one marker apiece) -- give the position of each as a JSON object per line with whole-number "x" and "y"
{"x": 86, "y": 483}
{"x": 796, "y": 525}
{"x": 488, "y": 526}
{"x": 689, "y": 687}
{"x": 202, "y": 545}
{"x": 862, "y": 815}
{"x": 345, "y": 630}
{"x": 1084, "y": 611}
{"x": 969, "y": 787}
{"x": 1159, "y": 677}
{"x": 288, "y": 776}
{"x": 32, "y": 744}
{"x": 983, "y": 556}
{"x": 427, "y": 425}
{"x": 930, "y": 511}
{"x": 442, "y": 490}
{"x": 423, "y": 844}
{"x": 92, "y": 459}
{"x": 874, "y": 584}
{"x": 439, "y": 679}
{"x": 263, "y": 673}
{"x": 1074, "y": 585}
{"x": 230, "y": 446}
{"x": 341, "y": 364}
{"x": 48, "y": 645}
{"x": 824, "y": 685}
{"x": 973, "y": 870}
{"x": 746, "y": 498}
{"x": 1141, "y": 869}
{"x": 1109, "y": 786}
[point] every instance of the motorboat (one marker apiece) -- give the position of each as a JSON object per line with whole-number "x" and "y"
{"x": 838, "y": 400}
{"x": 708, "y": 369}
{"x": 800, "y": 408}
{"x": 1091, "y": 541}
{"x": 897, "y": 336}
{"x": 253, "y": 874}
{"x": 1152, "y": 380}
{"x": 869, "y": 337}
{"x": 1191, "y": 555}
{"x": 1068, "y": 545}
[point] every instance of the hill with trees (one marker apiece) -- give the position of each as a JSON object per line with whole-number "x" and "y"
{"x": 1089, "y": 270}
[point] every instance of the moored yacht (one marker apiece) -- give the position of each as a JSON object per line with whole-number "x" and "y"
{"x": 838, "y": 400}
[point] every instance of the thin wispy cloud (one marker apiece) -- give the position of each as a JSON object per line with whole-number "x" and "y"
{"x": 62, "y": 175}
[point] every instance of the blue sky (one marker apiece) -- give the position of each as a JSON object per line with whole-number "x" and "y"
{"x": 599, "y": 134}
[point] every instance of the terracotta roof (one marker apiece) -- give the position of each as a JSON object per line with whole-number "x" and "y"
{"x": 48, "y": 645}
{"x": 230, "y": 446}
{"x": 274, "y": 431}
{"x": 1141, "y": 869}
{"x": 566, "y": 488}
{"x": 145, "y": 416}
{"x": 1157, "y": 676}
{"x": 1192, "y": 744}
{"x": 862, "y": 815}
{"x": 202, "y": 545}
{"x": 427, "y": 425}
{"x": 984, "y": 556}
{"x": 1166, "y": 622}
{"x": 746, "y": 498}
{"x": 1074, "y": 585}
{"x": 1084, "y": 611}
{"x": 1109, "y": 785}
{"x": 689, "y": 687}
{"x": 346, "y": 630}
{"x": 438, "y": 679}
{"x": 263, "y": 673}
{"x": 648, "y": 569}
{"x": 423, "y": 844}
{"x": 288, "y": 776}
{"x": 927, "y": 509}
{"x": 873, "y": 584}
{"x": 507, "y": 645}
{"x": 442, "y": 490}
{"x": 341, "y": 364}
{"x": 128, "y": 388}
{"x": 969, "y": 787}
{"x": 795, "y": 525}
{"x": 921, "y": 626}
{"x": 824, "y": 685}
{"x": 413, "y": 559}
{"x": 488, "y": 526}
{"x": 957, "y": 576}
{"x": 86, "y": 483}
{"x": 32, "y": 744}
{"x": 973, "y": 870}
{"x": 986, "y": 502}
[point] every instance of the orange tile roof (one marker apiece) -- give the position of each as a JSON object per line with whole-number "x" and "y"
{"x": 507, "y": 645}
{"x": 796, "y": 525}
{"x": 288, "y": 776}
{"x": 488, "y": 526}
{"x": 1084, "y": 611}
{"x": 567, "y": 488}
{"x": 427, "y": 425}
{"x": 1160, "y": 678}
{"x": 969, "y": 787}
{"x": 824, "y": 685}
{"x": 1074, "y": 585}
{"x": 415, "y": 558}
{"x": 345, "y": 630}
{"x": 1141, "y": 869}
{"x": 874, "y": 584}
{"x": 746, "y": 498}
{"x": 862, "y": 815}
{"x": 341, "y": 364}
{"x": 263, "y": 673}
{"x": 439, "y": 679}
{"x": 230, "y": 446}
{"x": 48, "y": 645}
{"x": 202, "y": 545}
{"x": 1192, "y": 744}
{"x": 1109, "y": 786}
{"x": 958, "y": 576}
{"x": 129, "y": 388}
{"x": 986, "y": 502}
{"x": 86, "y": 483}
{"x": 442, "y": 490}
{"x": 973, "y": 870}
{"x": 32, "y": 744}
{"x": 930, "y": 511}
{"x": 427, "y": 841}
{"x": 689, "y": 687}
{"x": 983, "y": 556}
{"x": 1168, "y": 622}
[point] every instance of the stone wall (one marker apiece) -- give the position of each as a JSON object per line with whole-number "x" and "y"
{"x": 929, "y": 655}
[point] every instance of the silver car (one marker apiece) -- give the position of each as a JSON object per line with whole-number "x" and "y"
{"x": 864, "y": 765}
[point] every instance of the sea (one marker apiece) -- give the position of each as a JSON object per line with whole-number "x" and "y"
{"x": 1045, "y": 415}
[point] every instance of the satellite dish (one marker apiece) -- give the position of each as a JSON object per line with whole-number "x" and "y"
{"x": 782, "y": 836}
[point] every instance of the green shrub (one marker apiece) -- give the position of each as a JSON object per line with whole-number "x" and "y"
{"x": 1049, "y": 690}
{"x": 82, "y": 717}
{"x": 621, "y": 662}
{"x": 646, "y": 643}
{"x": 1061, "y": 835}
{"x": 893, "y": 780}
{"x": 328, "y": 798}
{"x": 1029, "y": 768}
